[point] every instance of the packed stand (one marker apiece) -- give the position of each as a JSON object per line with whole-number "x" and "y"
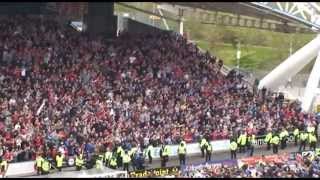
{"x": 61, "y": 91}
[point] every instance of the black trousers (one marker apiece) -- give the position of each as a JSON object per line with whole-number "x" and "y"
{"x": 119, "y": 161}
{"x": 45, "y": 172}
{"x": 202, "y": 151}
{"x": 208, "y": 156}
{"x": 251, "y": 150}
{"x": 283, "y": 143}
{"x": 268, "y": 146}
{"x": 164, "y": 160}
{"x": 302, "y": 144}
{"x": 182, "y": 159}
{"x": 150, "y": 157}
{"x": 59, "y": 168}
{"x": 295, "y": 140}
{"x": 126, "y": 166}
{"x": 38, "y": 170}
{"x": 234, "y": 154}
{"x": 313, "y": 146}
{"x": 275, "y": 148}
{"x": 78, "y": 168}
{"x": 113, "y": 167}
{"x": 106, "y": 163}
{"x": 242, "y": 148}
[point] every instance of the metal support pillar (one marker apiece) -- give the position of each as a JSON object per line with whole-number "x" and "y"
{"x": 291, "y": 66}
{"x": 312, "y": 86}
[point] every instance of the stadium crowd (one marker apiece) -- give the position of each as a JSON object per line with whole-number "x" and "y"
{"x": 61, "y": 91}
{"x": 288, "y": 169}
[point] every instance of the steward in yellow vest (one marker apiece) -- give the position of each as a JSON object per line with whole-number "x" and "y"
{"x": 113, "y": 162}
{"x": 126, "y": 161}
{"x": 296, "y": 135}
{"x": 59, "y": 161}
{"x": 99, "y": 162}
{"x": 303, "y": 140}
{"x": 233, "y": 148}
{"x": 203, "y": 143}
{"x": 312, "y": 141}
{"x": 275, "y": 143}
{"x": 182, "y": 150}
{"x": 267, "y": 140}
{"x": 107, "y": 157}
{"x": 46, "y": 166}
{"x": 79, "y": 162}
{"x": 3, "y": 166}
{"x": 39, "y": 160}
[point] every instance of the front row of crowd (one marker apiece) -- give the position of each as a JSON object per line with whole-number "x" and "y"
{"x": 118, "y": 157}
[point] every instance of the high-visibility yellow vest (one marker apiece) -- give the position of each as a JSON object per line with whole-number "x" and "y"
{"x": 209, "y": 148}
{"x": 317, "y": 151}
{"x": 268, "y": 137}
{"x": 242, "y": 139}
{"x": 312, "y": 138}
{"x": 166, "y": 151}
{"x": 132, "y": 151}
{"x": 79, "y": 161}
{"x": 310, "y": 129}
{"x": 126, "y": 158}
{"x": 39, "y": 161}
{"x": 59, "y": 160}
{"x": 182, "y": 149}
{"x": 296, "y": 132}
{"x": 303, "y": 136}
{"x": 99, "y": 164}
{"x": 46, "y": 166}
{"x": 283, "y": 134}
{"x": 150, "y": 149}
{"x": 233, "y": 146}
{"x": 113, "y": 161}
{"x": 203, "y": 142}
{"x": 275, "y": 140}
{"x": 107, "y": 155}
{"x": 4, "y": 164}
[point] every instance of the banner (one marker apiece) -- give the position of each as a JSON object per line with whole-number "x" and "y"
{"x": 155, "y": 172}
{"x": 215, "y": 166}
{"x": 266, "y": 159}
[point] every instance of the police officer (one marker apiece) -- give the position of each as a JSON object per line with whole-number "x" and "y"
{"x": 283, "y": 138}
{"x": 267, "y": 140}
{"x": 113, "y": 162}
{"x": 59, "y": 161}
{"x": 242, "y": 141}
{"x": 182, "y": 150}
{"x": 203, "y": 143}
{"x": 120, "y": 153}
{"x": 165, "y": 155}
{"x": 99, "y": 162}
{"x": 303, "y": 140}
{"x": 3, "y": 166}
{"x": 312, "y": 141}
{"x": 149, "y": 153}
{"x": 132, "y": 151}
{"x": 107, "y": 157}
{"x": 296, "y": 135}
{"x": 126, "y": 161}
{"x": 233, "y": 148}
{"x": 208, "y": 151}
{"x": 250, "y": 141}
{"x": 46, "y": 166}
{"x": 275, "y": 143}
{"x": 39, "y": 160}
{"x": 79, "y": 161}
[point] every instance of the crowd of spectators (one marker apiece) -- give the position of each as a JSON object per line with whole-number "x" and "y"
{"x": 285, "y": 169}
{"x": 61, "y": 90}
